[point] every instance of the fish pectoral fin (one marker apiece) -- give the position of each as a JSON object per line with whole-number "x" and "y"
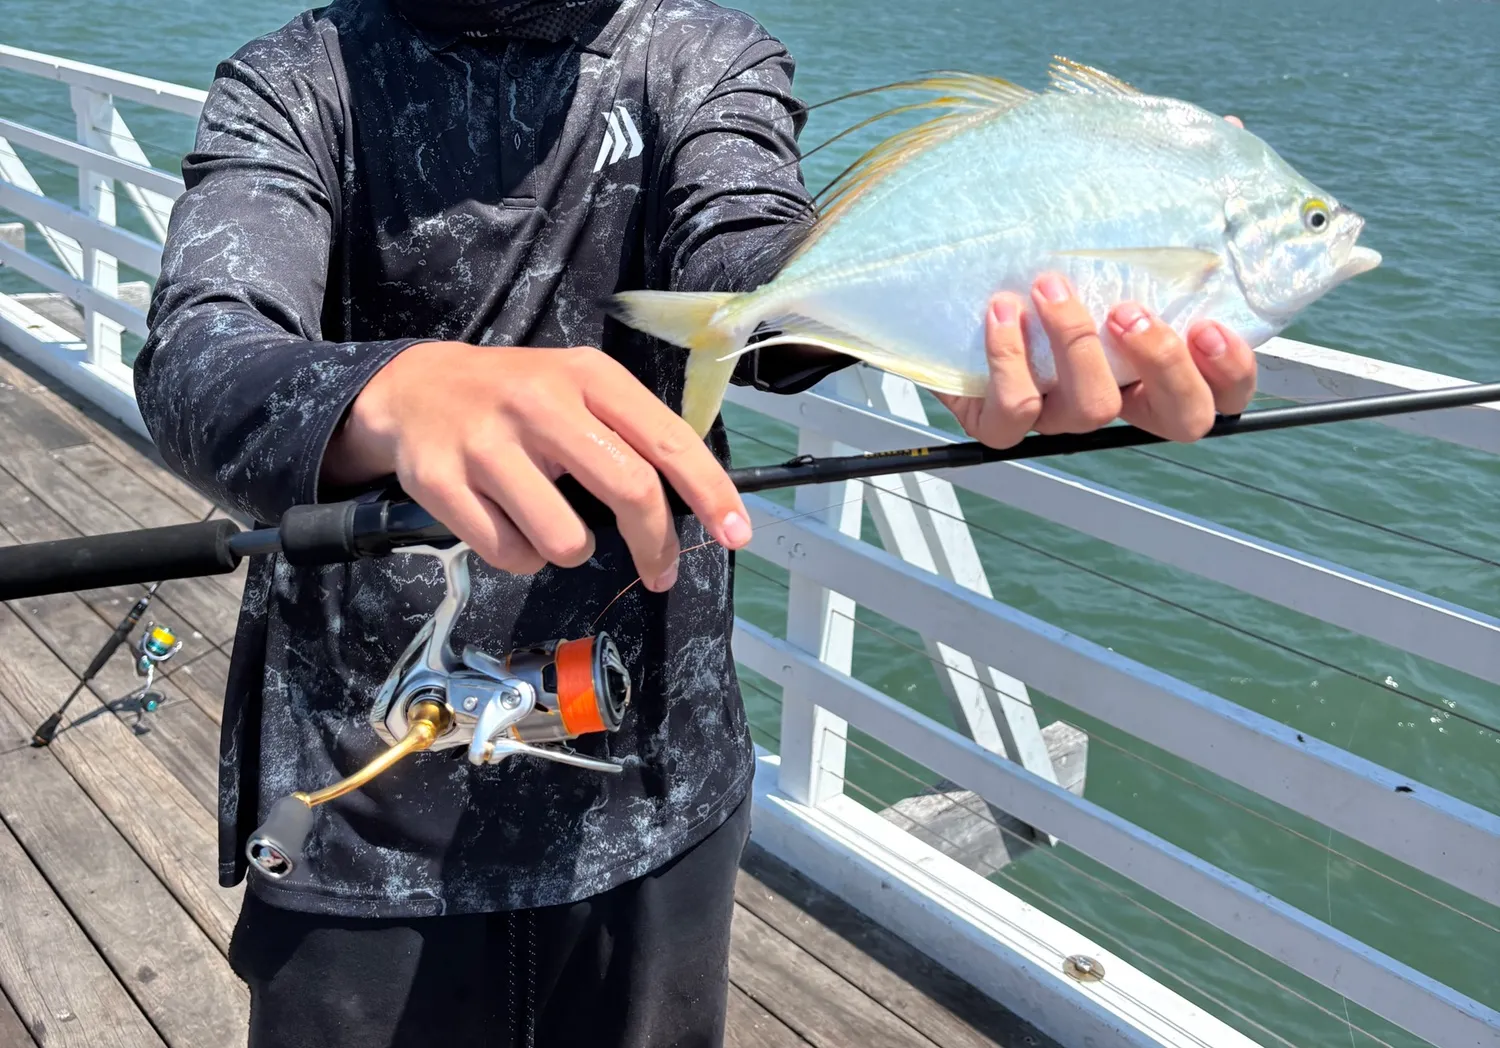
{"x": 804, "y": 331}
{"x": 1079, "y": 79}
{"x": 1183, "y": 268}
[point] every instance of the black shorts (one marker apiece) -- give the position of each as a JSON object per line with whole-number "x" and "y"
{"x": 645, "y": 965}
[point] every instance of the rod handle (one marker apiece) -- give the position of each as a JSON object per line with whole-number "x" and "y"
{"x": 123, "y": 558}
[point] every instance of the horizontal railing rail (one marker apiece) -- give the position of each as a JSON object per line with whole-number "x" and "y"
{"x": 1459, "y": 637}
{"x": 927, "y": 575}
{"x": 156, "y": 93}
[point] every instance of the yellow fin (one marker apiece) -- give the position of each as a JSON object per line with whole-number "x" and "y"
{"x": 965, "y": 99}
{"x": 1079, "y": 79}
{"x": 1184, "y": 267}
{"x": 698, "y": 321}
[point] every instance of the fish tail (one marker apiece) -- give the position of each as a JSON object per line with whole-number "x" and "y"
{"x": 700, "y": 321}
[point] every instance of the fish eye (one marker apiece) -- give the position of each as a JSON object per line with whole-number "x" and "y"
{"x": 1315, "y": 216}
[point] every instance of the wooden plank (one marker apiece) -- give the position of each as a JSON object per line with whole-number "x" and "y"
{"x": 204, "y": 679}
{"x": 928, "y": 998}
{"x": 126, "y": 447}
{"x": 123, "y": 488}
{"x": 29, "y": 425}
{"x": 181, "y": 735}
{"x": 160, "y": 818}
{"x": 12, "y": 1030}
{"x": 812, "y": 999}
{"x": 172, "y": 970}
{"x": 748, "y": 1025}
{"x": 187, "y": 744}
{"x": 61, "y": 989}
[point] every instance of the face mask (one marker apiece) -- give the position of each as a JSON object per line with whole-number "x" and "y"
{"x": 549, "y": 20}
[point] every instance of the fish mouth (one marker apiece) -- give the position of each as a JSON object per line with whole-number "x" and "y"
{"x": 1357, "y": 259}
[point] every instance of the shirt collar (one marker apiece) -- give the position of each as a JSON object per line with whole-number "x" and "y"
{"x": 599, "y": 36}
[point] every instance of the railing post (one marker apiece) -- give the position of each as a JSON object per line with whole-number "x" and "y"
{"x": 96, "y": 198}
{"x": 920, "y": 520}
{"x": 820, "y": 622}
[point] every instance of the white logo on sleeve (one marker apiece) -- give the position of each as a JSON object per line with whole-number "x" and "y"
{"x": 620, "y": 136}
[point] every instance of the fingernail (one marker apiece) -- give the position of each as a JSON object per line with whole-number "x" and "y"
{"x": 666, "y": 579}
{"x": 1211, "y": 342}
{"x": 1129, "y": 319}
{"x": 1005, "y": 311}
{"x": 1053, "y": 288}
{"x": 736, "y": 530}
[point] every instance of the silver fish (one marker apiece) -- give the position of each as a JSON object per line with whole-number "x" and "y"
{"x": 1131, "y": 196}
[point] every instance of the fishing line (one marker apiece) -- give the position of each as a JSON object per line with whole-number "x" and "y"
{"x": 1435, "y": 705}
{"x": 1201, "y": 787}
{"x": 1294, "y": 500}
{"x": 1168, "y": 921}
{"x": 1032, "y": 846}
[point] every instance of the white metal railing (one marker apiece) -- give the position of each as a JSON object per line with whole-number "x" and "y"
{"x": 926, "y": 574}
{"x": 86, "y": 245}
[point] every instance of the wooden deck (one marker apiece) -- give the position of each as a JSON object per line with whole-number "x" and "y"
{"x": 112, "y": 928}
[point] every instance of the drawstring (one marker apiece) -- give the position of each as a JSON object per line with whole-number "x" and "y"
{"x": 530, "y": 979}
{"x": 512, "y": 919}
{"x": 510, "y": 971}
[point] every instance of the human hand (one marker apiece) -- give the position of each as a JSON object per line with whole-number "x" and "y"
{"x": 477, "y": 435}
{"x": 1181, "y": 385}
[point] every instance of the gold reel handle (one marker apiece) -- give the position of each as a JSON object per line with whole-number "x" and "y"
{"x": 276, "y": 846}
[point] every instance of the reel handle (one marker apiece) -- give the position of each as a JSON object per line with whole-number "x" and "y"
{"x": 275, "y": 848}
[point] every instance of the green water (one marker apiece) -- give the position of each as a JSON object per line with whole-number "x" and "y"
{"x": 1392, "y": 105}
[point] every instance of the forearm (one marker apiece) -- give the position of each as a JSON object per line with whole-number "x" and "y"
{"x": 236, "y": 383}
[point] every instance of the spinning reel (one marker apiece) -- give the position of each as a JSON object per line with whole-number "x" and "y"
{"x": 156, "y": 645}
{"x": 531, "y": 702}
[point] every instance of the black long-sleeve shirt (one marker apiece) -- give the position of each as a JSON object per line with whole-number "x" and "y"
{"x": 357, "y": 186}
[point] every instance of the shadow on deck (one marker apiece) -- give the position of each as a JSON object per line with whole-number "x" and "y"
{"x": 112, "y": 926}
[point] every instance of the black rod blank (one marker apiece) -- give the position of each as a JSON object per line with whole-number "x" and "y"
{"x": 338, "y": 532}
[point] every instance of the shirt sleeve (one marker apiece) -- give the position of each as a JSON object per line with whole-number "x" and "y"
{"x": 236, "y": 383}
{"x": 736, "y": 203}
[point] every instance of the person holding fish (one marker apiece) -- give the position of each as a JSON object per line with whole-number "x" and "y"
{"x": 410, "y": 235}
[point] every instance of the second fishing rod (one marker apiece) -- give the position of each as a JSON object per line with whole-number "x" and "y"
{"x": 340, "y": 532}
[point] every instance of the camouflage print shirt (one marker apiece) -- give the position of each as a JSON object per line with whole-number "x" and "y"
{"x": 358, "y": 185}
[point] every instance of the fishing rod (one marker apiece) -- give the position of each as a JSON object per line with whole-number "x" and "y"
{"x": 345, "y": 531}
{"x": 534, "y": 701}
{"x": 157, "y": 644}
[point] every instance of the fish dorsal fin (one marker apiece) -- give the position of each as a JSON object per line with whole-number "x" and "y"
{"x": 964, "y": 99}
{"x": 1079, "y": 79}
{"x": 1186, "y": 268}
